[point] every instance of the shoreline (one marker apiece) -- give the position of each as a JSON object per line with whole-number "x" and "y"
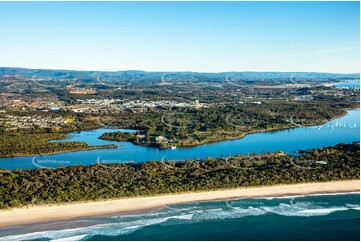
{"x": 61, "y": 212}
{"x": 340, "y": 82}
{"x": 244, "y": 134}
{"x": 89, "y": 148}
{"x": 240, "y": 136}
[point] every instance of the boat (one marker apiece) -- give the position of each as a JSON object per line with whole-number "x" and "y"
{"x": 173, "y": 147}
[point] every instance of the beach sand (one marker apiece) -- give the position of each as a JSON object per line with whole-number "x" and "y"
{"x": 52, "y": 213}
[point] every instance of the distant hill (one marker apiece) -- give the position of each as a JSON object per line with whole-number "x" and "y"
{"x": 69, "y": 74}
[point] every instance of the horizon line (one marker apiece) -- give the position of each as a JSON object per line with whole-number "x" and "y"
{"x": 205, "y": 72}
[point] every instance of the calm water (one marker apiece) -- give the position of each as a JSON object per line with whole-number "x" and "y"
{"x": 345, "y": 129}
{"x": 321, "y": 217}
{"x": 349, "y": 84}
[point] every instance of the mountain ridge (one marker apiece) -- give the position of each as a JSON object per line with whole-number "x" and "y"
{"x": 59, "y": 73}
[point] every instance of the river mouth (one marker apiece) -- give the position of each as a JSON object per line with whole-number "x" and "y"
{"x": 345, "y": 129}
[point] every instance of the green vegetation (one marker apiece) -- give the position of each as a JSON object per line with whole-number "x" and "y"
{"x": 35, "y": 140}
{"x": 21, "y": 143}
{"x": 103, "y": 181}
{"x": 119, "y": 136}
{"x": 190, "y": 127}
{"x": 181, "y": 127}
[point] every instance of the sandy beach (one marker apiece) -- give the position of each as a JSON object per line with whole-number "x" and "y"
{"x": 36, "y": 214}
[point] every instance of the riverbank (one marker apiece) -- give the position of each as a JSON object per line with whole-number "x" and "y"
{"x": 51, "y": 213}
{"x": 86, "y": 148}
{"x": 217, "y": 137}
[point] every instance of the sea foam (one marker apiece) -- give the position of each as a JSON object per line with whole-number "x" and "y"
{"x": 183, "y": 214}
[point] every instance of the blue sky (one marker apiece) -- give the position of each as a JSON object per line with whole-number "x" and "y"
{"x": 182, "y": 36}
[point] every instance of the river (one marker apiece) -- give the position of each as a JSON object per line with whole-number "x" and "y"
{"x": 342, "y": 130}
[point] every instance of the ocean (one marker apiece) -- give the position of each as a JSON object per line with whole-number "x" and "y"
{"x": 311, "y": 217}
{"x": 349, "y": 84}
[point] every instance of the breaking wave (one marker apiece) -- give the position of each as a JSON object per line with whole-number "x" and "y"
{"x": 183, "y": 214}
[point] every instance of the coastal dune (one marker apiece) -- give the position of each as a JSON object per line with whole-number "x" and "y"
{"x": 51, "y": 213}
